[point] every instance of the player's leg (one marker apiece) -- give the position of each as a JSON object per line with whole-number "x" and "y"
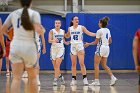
{"x": 32, "y": 77}
{"x": 81, "y": 55}
{"x": 38, "y": 80}
{"x": 17, "y": 69}
{"x": 0, "y": 65}
{"x": 73, "y": 56}
{"x": 7, "y": 66}
{"x": 59, "y": 58}
{"x": 97, "y": 60}
{"x": 73, "y": 69}
{"x": 107, "y": 69}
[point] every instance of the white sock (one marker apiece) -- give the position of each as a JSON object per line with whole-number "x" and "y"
{"x": 96, "y": 80}
{"x": 112, "y": 77}
{"x": 37, "y": 77}
{"x": 55, "y": 79}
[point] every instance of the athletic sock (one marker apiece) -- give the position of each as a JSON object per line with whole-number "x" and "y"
{"x": 84, "y": 76}
{"x": 60, "y": 75}
{"x": 74, "y": 77}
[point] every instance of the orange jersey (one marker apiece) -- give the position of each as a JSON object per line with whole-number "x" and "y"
{"x": 10, "y": 33}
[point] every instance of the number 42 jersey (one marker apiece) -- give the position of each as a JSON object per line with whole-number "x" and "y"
{"x": 76, "y": 34}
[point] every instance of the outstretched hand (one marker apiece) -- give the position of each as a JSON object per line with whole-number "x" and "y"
{"x": 86, "y": 44}
{"x": 67, "y": 43}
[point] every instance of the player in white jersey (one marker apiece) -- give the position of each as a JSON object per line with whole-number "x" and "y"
{"x": 56, "y": 38}
{"x": 23, "y": 48}
{"x": 103, "y": 39}
{"x": 76, "y": 31}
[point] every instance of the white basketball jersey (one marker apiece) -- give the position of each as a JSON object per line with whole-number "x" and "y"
{"x": 59, "y": 36}
{"x": 19, "y": 32}
{"x": 76, "y": 34}
{"x": 103, "y": 34}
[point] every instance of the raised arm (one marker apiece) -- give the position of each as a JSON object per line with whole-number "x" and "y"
{"x": 67, "y": 35}
{"x": 88, "y": 32}
{"x": 135, "y": 52}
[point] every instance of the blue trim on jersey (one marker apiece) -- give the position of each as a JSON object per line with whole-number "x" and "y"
{"x": 100, "y": 44}
{"x": 37, "y": 62}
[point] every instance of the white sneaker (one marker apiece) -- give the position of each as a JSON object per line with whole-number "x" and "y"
{"x": 85, "y": 81}
{"x": 7, "y": 74}
{"x": 38, "y": 82}
{"x": 73, "y": 82}
{"x": 113, "y": 81}
{"x": 95, "y": 83}
{"x": 25, "y": 74}
{"x": 62, "y": 80}
{"x": 55, "y": 83}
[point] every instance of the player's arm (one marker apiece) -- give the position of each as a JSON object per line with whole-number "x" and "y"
{"x": 67, "y": 35}
{"x": 66, "y": 42}
{"x": 43, "y": 43}
{"x": 37, "y": 23}
{"x": 50, "y": 39}
{"x": 3, "y": 29}
{"x": 110, "y": 40}
{"x": 92, "y": 43}
{"x": 135, "y": 52}
{"x": 88, "y": 32}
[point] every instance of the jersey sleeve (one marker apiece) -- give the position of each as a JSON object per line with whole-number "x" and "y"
{"x": 109, "y": 34}
{"x": 8, "y": 20}
{"x": 36, "y": 18}
{"x": 98, "y": 34}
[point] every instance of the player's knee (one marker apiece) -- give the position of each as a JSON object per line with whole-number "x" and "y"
{"x": 82, "y": 65}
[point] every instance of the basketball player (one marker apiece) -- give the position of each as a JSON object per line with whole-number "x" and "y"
{"x": 56, "y": 38}
{"x": 103, "y": 39}
{"x": 136, "y": 53}
{"x": 7, "y": 43}
{"x": 76, "y": 31}
{"x": 23, "y": 48}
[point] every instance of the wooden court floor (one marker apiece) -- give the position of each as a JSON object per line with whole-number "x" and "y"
{"x": 127, "y": 83}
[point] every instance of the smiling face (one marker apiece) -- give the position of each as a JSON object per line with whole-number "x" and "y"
{"x": 75, "y": 20}
{"x": 57, "y": 24}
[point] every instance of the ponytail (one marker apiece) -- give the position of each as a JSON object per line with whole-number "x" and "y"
{"x": 25, "y": 20}
{"x": 71, "y": 23}
{"x": 104, "y": 21}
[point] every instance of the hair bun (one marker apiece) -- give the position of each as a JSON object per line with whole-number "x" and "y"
{"x": 106, "y": 18}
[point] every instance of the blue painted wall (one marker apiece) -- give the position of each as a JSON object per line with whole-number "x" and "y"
{"x": 122, "y": 27}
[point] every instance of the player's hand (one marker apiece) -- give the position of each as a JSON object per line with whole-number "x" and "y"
{"x": 55, "y": 41}
{"x": 137, "y": 69}
{"x": 67, "y": 43}
{"x": 4, "y": 53}
{"x": 86, "y": 44}
{"x": 44, "y": 50}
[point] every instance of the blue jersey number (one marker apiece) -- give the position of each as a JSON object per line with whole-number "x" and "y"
{"x": 107, "y": 36}
{"x": 59, "y": 40}
{"x": 18, "y": 23}
{"x": 75, "y": 37}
